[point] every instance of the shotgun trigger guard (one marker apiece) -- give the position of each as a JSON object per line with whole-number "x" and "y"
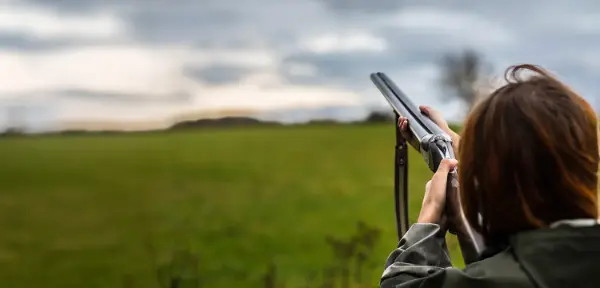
{"x": 434, "y": 148}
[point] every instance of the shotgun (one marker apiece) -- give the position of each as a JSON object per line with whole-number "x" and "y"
{"x": 434, "y": 145}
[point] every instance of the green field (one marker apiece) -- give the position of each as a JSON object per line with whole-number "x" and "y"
{"x": 111, "y": 211}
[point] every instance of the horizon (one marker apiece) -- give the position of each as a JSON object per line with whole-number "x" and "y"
{"x": 307, "y": 115}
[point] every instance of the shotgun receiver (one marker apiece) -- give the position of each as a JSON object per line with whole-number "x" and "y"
{"x": 435, "y": 145}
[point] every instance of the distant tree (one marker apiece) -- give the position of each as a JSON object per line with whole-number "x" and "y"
{"x": 463, "y": 73}
{"x": 379, "y": 116}
{"x": 12, "y": 131}
{"x": 221, "y": 122}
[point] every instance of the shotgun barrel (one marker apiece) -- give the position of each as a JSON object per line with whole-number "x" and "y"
{"x": 434, "y": 145}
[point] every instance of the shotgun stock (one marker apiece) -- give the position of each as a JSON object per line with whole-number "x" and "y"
{"x": 434, "y": 145}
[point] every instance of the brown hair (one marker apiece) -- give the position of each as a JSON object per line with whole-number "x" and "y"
{"x": 528, "y": 156}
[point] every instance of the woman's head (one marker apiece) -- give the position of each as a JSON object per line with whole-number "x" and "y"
{"x": 528, "y": 156}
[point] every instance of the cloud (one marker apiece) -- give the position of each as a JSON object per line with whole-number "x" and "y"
{"x": 121, "y": 69}
{"x": 463, "y": 26}
{"x": 122, "y": 60}
{"x": 350, "y": 41}
{"x": 333, "y": 69}
{"x": 122, "y": 98}
{"x": 362, "y": 7}
{"x": 18, "y": 42}
{"x": 248, "y": 95}
{"x": 67, "y": 6}
{"x": 219, "y": 74}
{"x": 42, "y": 23}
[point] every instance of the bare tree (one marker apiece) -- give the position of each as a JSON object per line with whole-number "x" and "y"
{"x": 462, "y": 73}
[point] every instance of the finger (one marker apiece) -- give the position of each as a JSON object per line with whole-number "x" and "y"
{"x": 400, "y": 121}
{"x": 403, "y": 124}
{"x": 425, "y": 109}
{"x": 430, "y": 112}
{"x": 440, "y": 178}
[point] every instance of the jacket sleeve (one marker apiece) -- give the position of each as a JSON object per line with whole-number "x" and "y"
{"x": 421, "y": 256}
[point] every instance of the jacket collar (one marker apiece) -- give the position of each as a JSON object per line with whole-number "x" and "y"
{"x": 501, "y": 246}
{"x": 576, "y": 222}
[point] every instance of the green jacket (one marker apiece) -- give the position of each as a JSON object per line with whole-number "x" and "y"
{"x": 567, "y": 255}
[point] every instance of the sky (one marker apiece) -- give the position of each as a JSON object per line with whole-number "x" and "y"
{"x": 77, "y": 62}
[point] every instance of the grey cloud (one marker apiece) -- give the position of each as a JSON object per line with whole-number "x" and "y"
{"x": 123, "y": 98}
{"x": 217, "y": 24}
{"x": 94, "y": 95}
{"x": 185, "y": 23}
{"x": 14, "y": 41}
{"x": 351, "y": 69}
{"x": 540, "y": 37}
{"x": 543, "y": 34}
{"x": 71, "y": 6}
{"x": 273, "y": 24}
{"x": 363, "y": 6}
{"x": 336, "y": 69}
{"x": 21, "y": 42}
{"x": 157, "y": 22}
{"x": 218, "y": 74}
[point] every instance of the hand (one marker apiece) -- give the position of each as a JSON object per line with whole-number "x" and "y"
{"x": 438, "y": 119}
{"x": 434, "y": 201}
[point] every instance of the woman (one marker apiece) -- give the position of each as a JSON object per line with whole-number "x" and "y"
{"x": 527, "y": 163}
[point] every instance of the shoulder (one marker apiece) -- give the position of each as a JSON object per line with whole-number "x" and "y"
{"x": 500, "y": 270}
{"x": 502, "y": 264}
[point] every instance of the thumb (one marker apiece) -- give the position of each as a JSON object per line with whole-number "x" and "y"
{"x": 440, "y": 177}
{"x": 446, "y": 165}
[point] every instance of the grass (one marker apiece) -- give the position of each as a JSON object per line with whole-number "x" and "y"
{"x": 111, "y": 211}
